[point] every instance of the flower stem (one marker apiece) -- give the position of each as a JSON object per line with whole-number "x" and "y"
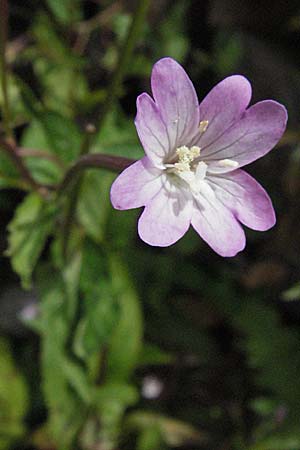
{"x": 3, "y": 67}
{"x": 92, "y": 161}
{"x": 124, "y": 58}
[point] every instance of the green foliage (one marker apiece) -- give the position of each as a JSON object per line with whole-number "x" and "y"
{"x": 260, "y": 325}
{"x": 93, "y": 208}
{"x": 64, "y": 382}
{"x": 125, "y": 342}
{"x": 107, "y": 312}
{"x": 44, "y": 31}
{"x": 28, "y": 232}
{"x": 9, "y": 176}
{"x": 173, "y": 37}
{"x": 111, "y": 400}
{"x": 43, "y": 169}
{"x": 62, "y": 135}
{"x": 293, "y": 293}
{"x": 158, "y": 429}
{"x": 13, "y": 398}
{"x": 66, "y": 11}
{"x": 107, "y": 304}
{"x": 101, "y": 314}
{"x": 118, "y": 137}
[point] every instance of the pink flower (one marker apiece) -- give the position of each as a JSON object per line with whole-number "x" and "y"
{"x": 191, "y": 172}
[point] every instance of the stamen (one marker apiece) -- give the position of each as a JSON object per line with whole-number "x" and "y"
{"x": 182, "y": 166}
{"x": 195, "y": 151}
{"x": 192, "y": 172}
{"x": 203, "y": 126}
{"x": 228, "y": 163}
{"x": 187, "y": 155}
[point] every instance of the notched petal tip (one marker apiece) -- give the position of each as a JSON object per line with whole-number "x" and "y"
{"x": 143, "y": 97}
{"x": 115, "y": 198}
{"x": 234, "y": 252}
{"x": 282, "y": 113}
{"x": 166, "y": 218}
{"x": 151, "y": 129}
{"x": 276, "y": 114}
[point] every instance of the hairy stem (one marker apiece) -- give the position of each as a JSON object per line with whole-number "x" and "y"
{"x": 92, "y": 161}
{"x": 124, "y": 57}
{"x": 3, "y": 67}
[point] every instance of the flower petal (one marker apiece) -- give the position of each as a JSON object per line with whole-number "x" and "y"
{"x": 246, "y": 198}
{"x": 136, "y": 185}
{"x": 218, "y": 227}
{"x": 223, "y": 106}
{"x": 254, "y": 135}
{"x": 166, "y": 218}
{"x": 151, "y": 130}
{"x": 177, "y": 101}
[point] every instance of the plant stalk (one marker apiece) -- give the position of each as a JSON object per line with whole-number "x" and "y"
{"x": 124, "y": 58}
{"x": 3, "y": 67}
{"x": 93, "y": 161}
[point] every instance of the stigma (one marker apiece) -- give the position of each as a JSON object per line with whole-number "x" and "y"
{"x": 189, "y": 169}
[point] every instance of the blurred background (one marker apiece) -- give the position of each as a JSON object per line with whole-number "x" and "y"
{"x": 219, "y": 339}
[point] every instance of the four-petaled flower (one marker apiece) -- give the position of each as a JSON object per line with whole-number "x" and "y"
{"x": 191, "y": 172}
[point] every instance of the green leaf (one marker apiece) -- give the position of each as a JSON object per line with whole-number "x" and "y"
{"x": 153, "y": 355}
{"x": 62, "y": 135}
{"x": 93, "y": 264}
{"x": 174, "y": 432}
{"x": 65, "y": 387}
{"x": 126, "y": 342}
{"x": 13, "y": 398}
{"x": 150, "y": 438}
{"x": 28, "y": 231}
{"x": 43, "y": 170}
{"x": 17, "y": 108}
{"x": 9, "y": 176}
{"x": 118, "y": 137}
{"x": 65, "y": 89}
{"x": 93, "y": 204}
{"x": 101, "y": 313}
{"x": 56, "y": 136}
{"x": 111, "y": 401}
{"x": 292, "y": 294}
{"x": 277, "y": 442}
{"x": 77, "y": 378}
{"x": 44, "y": 32}
{"x": 108, "y": 290}
{"x": 65, "y": 11}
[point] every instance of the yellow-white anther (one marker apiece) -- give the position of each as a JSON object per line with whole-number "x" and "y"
{"x": 183, "y": 153}
{"x": 203, "y": 126}
{"x": 228, "y": 163}
{"x": 195, "y": 152}
{"x": 186, "y": 154}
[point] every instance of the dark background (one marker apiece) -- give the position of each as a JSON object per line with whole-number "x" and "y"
{"x": 230, "y": 326}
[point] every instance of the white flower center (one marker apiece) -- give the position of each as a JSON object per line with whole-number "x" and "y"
{"x": 194, "y": 172}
